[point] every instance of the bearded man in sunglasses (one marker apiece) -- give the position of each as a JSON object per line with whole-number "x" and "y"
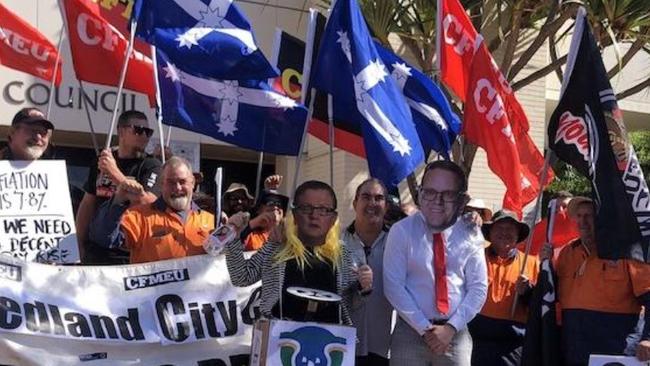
{"x": 127, "y": 163}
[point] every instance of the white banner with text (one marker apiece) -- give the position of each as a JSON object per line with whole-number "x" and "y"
{"x": 177, "y": 312}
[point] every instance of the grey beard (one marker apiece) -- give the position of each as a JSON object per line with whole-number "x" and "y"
{"x": 179, "y": 203}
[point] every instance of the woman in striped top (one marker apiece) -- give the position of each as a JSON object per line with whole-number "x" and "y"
{"x": 307, "y": 254}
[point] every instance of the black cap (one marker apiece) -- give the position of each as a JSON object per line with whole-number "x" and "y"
{"x": 31, "y": 116}
{"x": 272, "y": 198}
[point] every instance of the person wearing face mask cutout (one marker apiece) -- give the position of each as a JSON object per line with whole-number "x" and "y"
{"x": 497, "y": 336}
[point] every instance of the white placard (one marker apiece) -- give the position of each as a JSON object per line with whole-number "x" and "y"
{"x": 608, "y": 360}
{"x": 36, "y": 221}
{"x": 314, "y": 342}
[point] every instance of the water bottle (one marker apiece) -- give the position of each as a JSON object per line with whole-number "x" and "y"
{"x": 223, "y": 235}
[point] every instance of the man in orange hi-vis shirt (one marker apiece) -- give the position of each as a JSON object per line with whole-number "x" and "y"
{"x": 600, "y": 299}
{"x": 498, "y": 336}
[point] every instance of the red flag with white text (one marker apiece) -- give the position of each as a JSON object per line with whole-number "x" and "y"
{"x": 24, "y": 48}
{"x": 457, "y": 41}
{"x": 98, "y": 50}
{"x": 494, "y": 120}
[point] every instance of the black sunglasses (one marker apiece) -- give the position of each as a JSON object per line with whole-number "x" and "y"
{"x": 139, "y": 130}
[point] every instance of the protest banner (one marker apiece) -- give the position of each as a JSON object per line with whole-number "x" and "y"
{"x": 177, "y": 312}
{"x": 36, "y": 221}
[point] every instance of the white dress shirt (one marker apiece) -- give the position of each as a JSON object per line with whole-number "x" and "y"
{"x": 409, "y": 276}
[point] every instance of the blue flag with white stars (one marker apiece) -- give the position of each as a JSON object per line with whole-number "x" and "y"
{"x": 245, "y": 113}
{"x": 436, "y": 123}
{"x": 209, "y": 37}
{"x": 351, "y": 70}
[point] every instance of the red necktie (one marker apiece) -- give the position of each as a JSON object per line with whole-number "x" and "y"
{"x": 440, "y": 273}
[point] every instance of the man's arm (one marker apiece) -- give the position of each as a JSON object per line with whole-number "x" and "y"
{"x": 105, "y": 230}
{"x": 85, "y": 214}
{"x": 476, "y": 286}
{"x": 395, "y": 271}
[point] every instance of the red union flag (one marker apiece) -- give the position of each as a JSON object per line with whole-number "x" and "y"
{"x": 457, "y": 42}
{"x": 98, "y": 50}
{"x": 24, "y": 48}
{"x": 494, "y": 120}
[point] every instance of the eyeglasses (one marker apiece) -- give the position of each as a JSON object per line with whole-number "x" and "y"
{"x": 139, "y": 130}
{"x": 429, "y": 194}
{"x": 318, "y": 210}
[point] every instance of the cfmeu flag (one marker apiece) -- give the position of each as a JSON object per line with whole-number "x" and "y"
{"x": 587, "y": 131}
{"x": 436, "y": 124}
{"x": 211, "y": 36}
{"x": 24, "y": 48}
{"x": 94, "y": 42}
{"x": 457, "y": 41}
{"x": 350, "y": 69}
{"x": 495, "y": 120}
{"x": 246, "y": 113}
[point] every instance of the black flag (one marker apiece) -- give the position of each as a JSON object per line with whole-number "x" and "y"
{"x": 587, "y": 131}
{"x": 542, "y": 341}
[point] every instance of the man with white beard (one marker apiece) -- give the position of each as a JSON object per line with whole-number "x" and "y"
{"x": 171, "y": 227}
{"x": 29, "y": 136}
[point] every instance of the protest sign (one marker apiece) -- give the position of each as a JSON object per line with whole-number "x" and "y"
{"x": 287, "y": 343}
{"x": 36, "y": 221}
{"x": 177, "y": 312}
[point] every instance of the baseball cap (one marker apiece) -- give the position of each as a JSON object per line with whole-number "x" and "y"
{"x": 31, "y": 116}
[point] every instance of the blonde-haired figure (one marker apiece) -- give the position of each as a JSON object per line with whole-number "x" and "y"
{"x": 305, "y": 253}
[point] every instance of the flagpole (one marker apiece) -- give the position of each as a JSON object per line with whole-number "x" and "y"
{"x": 310, "y": 111}
{"x": 330, "y": 120}
{"x": 158, "y": 102}
{"x": 218, "y": 180}
{"x": 529, "y": 240}
{"x": 169, "y": 136}
{"x": 306, "y": 72}
{"x": 93, "y": 135}
{"x": 56, "y": 69}
{"x": 120, "y": 87}
{"x": 260, "y": 161}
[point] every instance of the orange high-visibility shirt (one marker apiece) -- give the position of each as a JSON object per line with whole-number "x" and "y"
{"x": 155, "y": 232}
{"x": 502, "y": 277}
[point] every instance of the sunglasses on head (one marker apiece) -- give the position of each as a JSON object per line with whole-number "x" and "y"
{"x": 139, "y": 130}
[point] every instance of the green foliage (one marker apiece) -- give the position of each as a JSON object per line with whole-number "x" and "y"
{"x": 568, "y": 179}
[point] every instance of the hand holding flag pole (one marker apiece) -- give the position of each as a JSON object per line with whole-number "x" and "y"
{"x": 529, "y": 240}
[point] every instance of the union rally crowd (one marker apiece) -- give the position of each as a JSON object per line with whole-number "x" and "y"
{"x": 452, "y": 272}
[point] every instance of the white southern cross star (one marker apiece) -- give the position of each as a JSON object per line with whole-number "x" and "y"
{"x": 227, "y": 127}
{"x": 186, "y": 39}
{"x": 211, "y": 17}
{"x": 345, "y": 44}
{"x": 171, "y": 72}
{"x": 229, "y": 91}
{"x": 372, "y": 75}
{"x": 402, "y": 69}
